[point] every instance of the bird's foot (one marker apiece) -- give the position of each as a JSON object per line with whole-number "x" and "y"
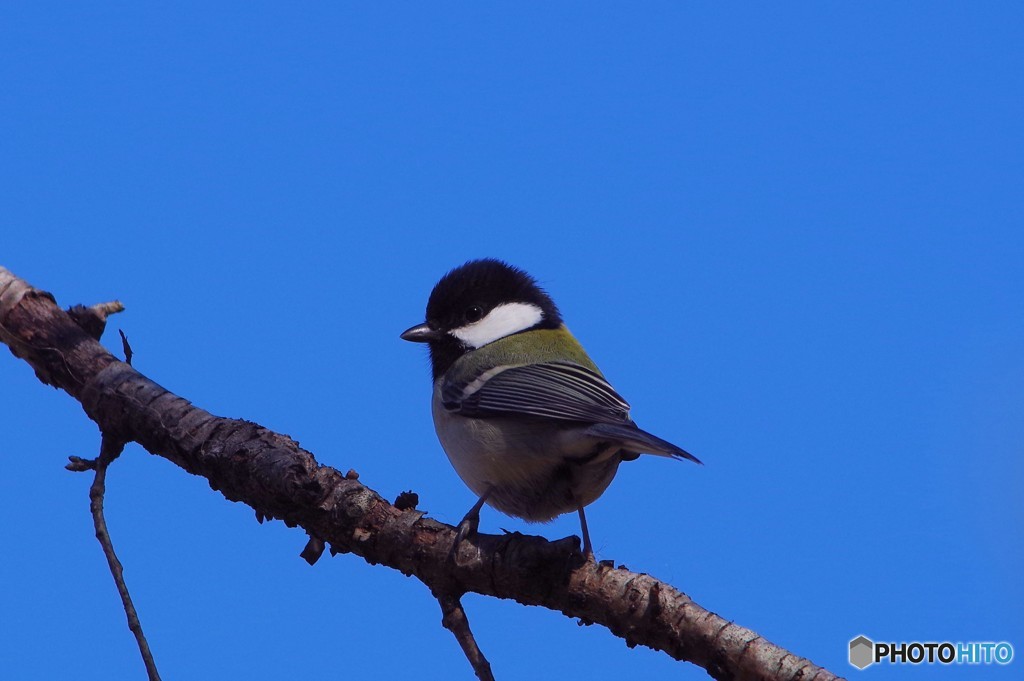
{"x": 588, "y": 548}
{"x": 467, "y": 527}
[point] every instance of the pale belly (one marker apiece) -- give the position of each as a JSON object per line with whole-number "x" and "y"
{"x": 534, "y": 470}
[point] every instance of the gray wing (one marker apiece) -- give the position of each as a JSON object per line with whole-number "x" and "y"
{"x": 555, "y": 390}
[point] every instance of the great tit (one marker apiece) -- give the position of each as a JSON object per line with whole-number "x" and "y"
{"x": 527, "y": 419}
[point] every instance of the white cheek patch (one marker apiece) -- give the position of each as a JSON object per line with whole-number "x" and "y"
{"x": 504, "y": 320}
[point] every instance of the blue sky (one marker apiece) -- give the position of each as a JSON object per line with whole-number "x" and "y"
{"x": 790, "y": 235}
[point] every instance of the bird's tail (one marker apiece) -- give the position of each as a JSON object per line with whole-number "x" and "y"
{"x": 634, "y": 439}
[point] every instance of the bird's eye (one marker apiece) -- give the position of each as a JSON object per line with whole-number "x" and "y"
{"x": 474, "y": 314}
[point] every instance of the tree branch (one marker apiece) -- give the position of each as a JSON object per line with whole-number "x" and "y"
{"x": 110, "y": 449}
{"x": 279, "y": 479}
{"x": 454, "y": 620}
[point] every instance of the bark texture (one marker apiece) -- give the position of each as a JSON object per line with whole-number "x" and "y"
{"x": 278, "y": 479}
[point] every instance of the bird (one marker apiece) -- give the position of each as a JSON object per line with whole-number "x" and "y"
{"x": 526, "y": 418}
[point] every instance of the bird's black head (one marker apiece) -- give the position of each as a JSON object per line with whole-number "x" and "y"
{"x": 478, "y": 303}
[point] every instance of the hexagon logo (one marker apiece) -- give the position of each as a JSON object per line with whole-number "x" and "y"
{"x": 862, "y": 652}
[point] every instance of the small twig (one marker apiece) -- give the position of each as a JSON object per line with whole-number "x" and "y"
{"x": 93, "y": 320}
{"x": 104, "y": 310}
{"x": 454, "y": 620}
{"x": 110, "y": 449}
{"x": 77, "y": 464}
{"x": 407, "y": 500}
{"x": 314, "y": 549}
{"x": 127, "y": 348}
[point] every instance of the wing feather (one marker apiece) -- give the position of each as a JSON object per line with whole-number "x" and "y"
{"x": 556, "y": 390}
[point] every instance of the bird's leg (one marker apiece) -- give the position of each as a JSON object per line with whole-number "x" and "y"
{"x": 588, "y": 548}
{"x": 468, "y": 525}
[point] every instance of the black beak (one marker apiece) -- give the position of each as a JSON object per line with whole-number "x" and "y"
{"x": 421, "y": 333}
